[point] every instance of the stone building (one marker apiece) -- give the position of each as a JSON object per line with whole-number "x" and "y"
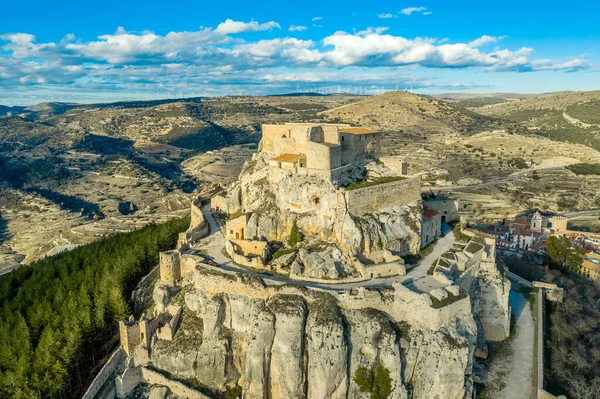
{"x": 537, "y": 222}
{"x": 431, "y": 226}
{"x": 218, "y": 203}
{"x": 558, "y": 224}
{"x": 590, "y": 267}
{"x": 317, "y": 148}
{"x": 235, "y": 228}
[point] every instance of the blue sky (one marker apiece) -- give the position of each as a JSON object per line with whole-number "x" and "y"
{"x": 114, "y": 50}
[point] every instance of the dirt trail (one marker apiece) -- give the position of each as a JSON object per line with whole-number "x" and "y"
{"x": 577, "y": 122}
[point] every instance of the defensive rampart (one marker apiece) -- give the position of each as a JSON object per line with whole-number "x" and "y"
{"x": 386, "y": 195}
{"x": 107, "y": 371}
{"x": 399, "y": 302}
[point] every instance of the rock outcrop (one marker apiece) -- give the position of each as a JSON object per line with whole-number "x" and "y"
{"x": 280, "y": 341}
{"x": 276, "y": 199}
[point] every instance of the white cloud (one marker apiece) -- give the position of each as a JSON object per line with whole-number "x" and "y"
{"x": 296, "y": 28}
{"x": 384, "y": 15}
{"x": 315, "y": 19}
{"x": 485, "y": 39}
{"x": 410, "y": 10}
{"x": 553, "y": 65}
{"x": 230, "y": 26}
{"x": 209, "y": 56}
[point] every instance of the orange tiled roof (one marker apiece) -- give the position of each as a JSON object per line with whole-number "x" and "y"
{"x": 288, "y": 158}
{"x": 429, "y": 213}
{"x": 356, "y": 130}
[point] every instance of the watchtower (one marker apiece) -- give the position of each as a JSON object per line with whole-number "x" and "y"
{"x": 170, "y": 268}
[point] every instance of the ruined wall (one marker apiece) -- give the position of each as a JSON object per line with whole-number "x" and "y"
{"x": 219, "y": 203}
{"x": 370, "y": 199}
{"x": 250, "y": 247}
{"x": 129, "y": 335}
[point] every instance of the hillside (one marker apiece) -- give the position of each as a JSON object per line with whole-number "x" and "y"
{"x": 565, "y": 116}
{"x": 70, "y": 174}
{"x": 468, "y": 100}
{"x": 406, "y": 112}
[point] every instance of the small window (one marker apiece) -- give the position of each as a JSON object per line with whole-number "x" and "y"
{"x": 342, "y": 138}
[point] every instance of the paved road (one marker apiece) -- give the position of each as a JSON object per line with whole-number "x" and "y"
{"x": 9, "y": 269}
{"x": 512, "y": 370}
{"x": 577, "y": 215}
{"x": 416, "y": 279}
{"x": 512, "y": 177}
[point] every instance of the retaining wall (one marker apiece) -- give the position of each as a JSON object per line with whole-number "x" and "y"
{"x": 152, "y": 377}
{"x": 370, "y": 199}
{"x": 105, "y": 373}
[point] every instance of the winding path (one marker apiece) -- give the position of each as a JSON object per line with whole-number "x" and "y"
{"x": 416, "y": 279}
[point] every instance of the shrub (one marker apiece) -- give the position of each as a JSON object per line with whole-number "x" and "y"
{"x": 585, "y": 168}
{"x": 295, "y": 236}
{"x": 375, "y": 381}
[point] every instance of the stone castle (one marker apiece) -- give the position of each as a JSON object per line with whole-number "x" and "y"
{"x": 240, "y": 309}
{"x": 324, "y": 150}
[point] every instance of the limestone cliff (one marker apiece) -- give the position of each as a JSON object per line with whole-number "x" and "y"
{"x": 283, "y": 341}
{"x": 276, "y": 198}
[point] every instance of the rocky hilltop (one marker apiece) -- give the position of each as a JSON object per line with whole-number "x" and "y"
{"x": 322, "y": 211}
{"x": 235, "y": 326}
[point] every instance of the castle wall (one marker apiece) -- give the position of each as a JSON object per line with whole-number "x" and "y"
{"x": 354, "y": 146}
{"x": 405, "y": 305}
{"x": 300, "y": 134}
{"x": 317, "y": 135}
{"x": 218, "y": 203}
{"x": 250, "y": 247}
{"x": 559, "y": 223}
{"x": 126, "y": 382}
{"x": 370, "y": 199}
{"x": 286, "y": 146}
{"x": 152, "y": 377}
{"x": 318, "y": 156}
{"x": 129, "y": 335}
{"x": 271, "y": 133}
{"x": 400, "y": 302}
{"x": 167, "y": 331}
{"x": 331, "y": 134}
{"x": 105, "y": 373}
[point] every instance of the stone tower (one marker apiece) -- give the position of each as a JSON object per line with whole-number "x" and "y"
{"x": 536, "y": 222}
{"x": 170, "y": 269}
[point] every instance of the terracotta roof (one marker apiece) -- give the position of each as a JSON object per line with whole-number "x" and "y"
{"x": 356, "y": 130}
{"x": 290, "y": 158}
{"x": 428, "y": 213}
{"x": 537, "y": 245}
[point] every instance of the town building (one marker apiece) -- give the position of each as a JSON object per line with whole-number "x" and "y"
{"x": 590, "y": 267}
{"x": 431, "y": 226}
